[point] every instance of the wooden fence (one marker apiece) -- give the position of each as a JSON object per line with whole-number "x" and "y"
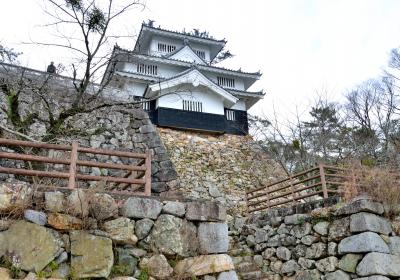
{"x": 137, "y": 177}
{"x": 321, "y": 180}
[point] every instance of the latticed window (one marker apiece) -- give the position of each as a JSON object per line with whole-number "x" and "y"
{"x": 194, "y": 106}
{"x": 226, "y": 82}
{"x": 201, "y": 54}
{"x": 230, "y": 115}
{"x": 166, "y": 48}
{"x": 147, "y": 69}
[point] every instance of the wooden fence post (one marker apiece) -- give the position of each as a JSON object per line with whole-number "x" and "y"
{"x": 323, "y": 180}
{"x": 72, "y": 165}
{"x": 147, "y": 175}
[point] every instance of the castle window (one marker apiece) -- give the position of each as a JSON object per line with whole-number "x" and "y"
{"x": 194, "y": 106}
{"x": 226, "y": 82}
{"x": 146, "y": 105}
{"x": 147, "y": 69}
{"x": 166, "y": 48}
{"x": 230, "y": 115}
{"x": 201, "y": 54}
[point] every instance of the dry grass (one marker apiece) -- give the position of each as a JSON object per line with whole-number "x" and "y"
{"x": 382, "y": 184}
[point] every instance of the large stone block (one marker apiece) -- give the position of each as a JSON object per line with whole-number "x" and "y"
{"x": 349, "y": 262}
{"x": 394, "y": 245}
{"x": 31, "y": 245}
{"x": 379, "y": 264}
{"x": 78, "y": 203}
{"x": 363, "y": 243}
{"x": 213, "y": 238}
{"x": 337, "y": 275}
{"x": 91, "y": 256}
{"x": 14, "y": 195}
{"x": 157, "y": 266}
{"x": 173, "y": 236}
{"x": 205, "y": 211}
{"x": 137, "y": 207}
{"x": 362, "y": 205}
{"x": 121, "y": 230}
{"x": 205, "y": 264}
{"x": 174, "y": 208}
{"x": 369, "y": 222}
{"x": 103, "y": 206}
{"x": 54, "y": 201}
{"x": 64, "y": 221}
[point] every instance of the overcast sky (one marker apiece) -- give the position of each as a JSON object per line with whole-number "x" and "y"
{"x": 301, "y": 46}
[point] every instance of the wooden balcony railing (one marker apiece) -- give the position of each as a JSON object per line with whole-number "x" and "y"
{"x": 321, "y": 180}
{"x": 137, "y": 177}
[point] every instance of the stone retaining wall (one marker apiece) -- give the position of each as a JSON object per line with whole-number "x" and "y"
{"x": 352, "y": 241}
{"x": 84, "y": 234}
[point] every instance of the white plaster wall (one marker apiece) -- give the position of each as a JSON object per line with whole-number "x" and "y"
{"x": 163, "y": 70}
{"x": 135, "y": 88}
{"x": 240, "y": 105}
{"x": 212, "y": 103}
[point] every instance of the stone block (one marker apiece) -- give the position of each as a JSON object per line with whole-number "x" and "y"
{"x": 379, "y": 264}
{"x": 174, "y": 208}
{"x": 157, "y": 266}
{"x": 339, "y": 229}
{"x": 121, "y": 231}
{"x": 143, "y": 227}
{"x": 297, "y": 219}
{"x": 36, "y": 217}
{"x": 206, "y": 211}
{"x": 213, "y": 238}
{"x": 394, "y": 245}
{"x": 103, "y": 206}
{"x": 321, "y": 228}
{"x": 91, "y": 256}
{"x": 349, "y": 262}
{"x": 137, "y": 207}
{"x": 337, "y": 275}
{"x": 205, "y": 264}
{"x": 363, "y": 221}
{"x": 54, "y": 201}
{"x": 228, "y": 275}
{"x": 64, "y": 221}
{"x": 363, "y": 243}
{"x": 362, "y": 205}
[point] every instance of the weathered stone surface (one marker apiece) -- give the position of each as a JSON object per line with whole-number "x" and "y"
{"x": 308, "y": 275}
{"x": 205, "y": 211}
{"x": 143, "y": 227}
{"x": 54, "y": 201}
{"x": 64, "y": 221}
{"x": 4, "y": 274}
{"x": 228, "y": 275}
{"x": 316, "y": 251}
{"x": 36, "y": 217}
{"x": 349, "y": 262}
{"x": 332, "y": 249}
{"x": 213, "y": 238}
{"x": 157, "y": 266}
{"x": 174, "y": 208}
{"x": 321, "y": 228}
{"x": 301, "y": 230}
{"x": 379, "y": 264}
{"x": 296, "y": 219}
{"x": 283, "y": 253}
{"x": 394, "y": 245}
{"x": 14, "y": 195}
{"x": 308, "y": 239}
{"x": 32, "y": 245}
{"x": 369, "y": 222}
{"x": 6, "y": 223}
{"x": 62, "y": 272}
{"x": 77, "y": 203}
{"x": 363, "y": 243}
{"x": 91, "y": 256}
{"x": 171, "y": 235}
{"x": 125, "y": 260}
{"x": 337, "y": 275}
{"x": 362, "y": 205}
{"x": 339, "y": 229}
{"x": 289, "y": 267}
{"x": 306, "y": 263}
{"x": 121, "y": 230}
{"x": 205, "y": 264}
{"x": 261, "y": 235}
{"x": 103, "y": 206}
{"x": 136, "y": 207}
{"x": 328, "y": 264}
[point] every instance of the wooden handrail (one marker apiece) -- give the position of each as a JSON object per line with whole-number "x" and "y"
{"x": 311, "y": 182}
{"x": 73, "y": 175}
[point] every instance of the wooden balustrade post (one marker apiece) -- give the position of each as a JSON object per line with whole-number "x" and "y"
{"x": 72, "y": 165}
{"x": 323, "y": 180}
{"x": 147, "y": 174}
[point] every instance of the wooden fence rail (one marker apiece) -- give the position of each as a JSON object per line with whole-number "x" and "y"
{"x": 137, "y": 177}
{"x": 321, "y": 180}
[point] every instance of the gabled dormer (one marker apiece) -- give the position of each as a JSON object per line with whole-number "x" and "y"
{"x": 186, "y": 53}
